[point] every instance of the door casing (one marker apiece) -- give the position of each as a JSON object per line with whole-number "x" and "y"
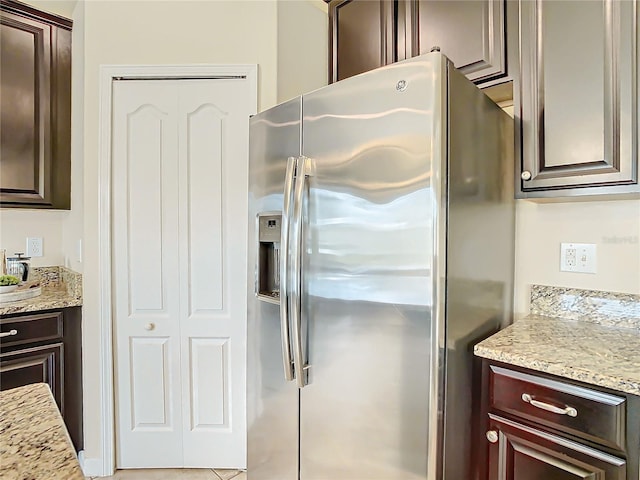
{"x": 105, "y": 465}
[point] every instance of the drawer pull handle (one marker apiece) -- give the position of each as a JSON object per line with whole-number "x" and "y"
{"x": 572, "y": 412}
{"x": 9, "y": 333}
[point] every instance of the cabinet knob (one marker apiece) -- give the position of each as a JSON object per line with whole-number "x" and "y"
{"x": 150, "y": 326}
{"x": 492, "y": 436}
{"x": 526, "y": 175}
{"x": 10, "y": 333}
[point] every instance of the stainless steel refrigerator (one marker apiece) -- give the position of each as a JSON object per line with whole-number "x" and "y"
{"x": 381, "y": 249}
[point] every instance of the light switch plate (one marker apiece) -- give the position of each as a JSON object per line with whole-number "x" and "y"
{"x": 578, "y": 257}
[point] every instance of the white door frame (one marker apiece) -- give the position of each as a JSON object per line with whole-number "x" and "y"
{"x": 108, "y": 73}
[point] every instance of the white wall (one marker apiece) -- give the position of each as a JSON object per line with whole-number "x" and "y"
{"x": 16, "y": 224}
{"x": 614, "y": 226}
{"x": 59, "y": 229}
{"x": 73, "y": 222}
{"x": 156, "y": 32}
{"x": 292, "y": 59}
{"x": 302, "y": 47}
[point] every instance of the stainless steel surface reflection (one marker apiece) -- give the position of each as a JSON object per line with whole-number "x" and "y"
{"x": 400, "y": 258}
{"x": 367, "y": 277}
{"x": 272, "y": 402}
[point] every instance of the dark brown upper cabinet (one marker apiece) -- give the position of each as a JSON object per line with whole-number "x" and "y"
{"x": 471, "y": 33}
{"x": 362, "y": 36}
{"x": 366, "y": 34}
{"x": 35, "y": 108}
{"x": 576, "y": 98}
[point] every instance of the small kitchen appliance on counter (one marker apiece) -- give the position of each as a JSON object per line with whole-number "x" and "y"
{"x": 19, "y": 266}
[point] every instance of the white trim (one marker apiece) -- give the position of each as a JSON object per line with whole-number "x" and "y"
{"x": 91, "y": 467}
{"x": 106, "y": 464}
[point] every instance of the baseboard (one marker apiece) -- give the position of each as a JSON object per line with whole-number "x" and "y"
{"x": 92, "y": 467}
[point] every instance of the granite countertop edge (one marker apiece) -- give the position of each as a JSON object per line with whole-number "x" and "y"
{"x": 600, "y": 355}
{"x": 54, "y": 296}
{"x": 35, "y": 443}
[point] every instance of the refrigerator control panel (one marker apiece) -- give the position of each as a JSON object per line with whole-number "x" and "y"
{"x": 268, "y": 271}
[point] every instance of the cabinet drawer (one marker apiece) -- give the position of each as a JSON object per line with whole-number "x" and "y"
{"x": 520, "y": 452}
{"x": 30, "y": 328}
{"x": 41, "y": 364}
{"x": 583, "y": 412}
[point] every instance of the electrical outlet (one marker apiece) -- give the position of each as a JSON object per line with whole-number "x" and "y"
{"x": 34, "y": 247}
{"x": 578, "y": 257}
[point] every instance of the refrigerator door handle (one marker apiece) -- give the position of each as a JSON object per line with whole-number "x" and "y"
{"x": 303, "y": 171}
{"x": 285, "y": 289}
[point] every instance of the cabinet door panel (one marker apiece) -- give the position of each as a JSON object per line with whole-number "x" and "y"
{"x": 470, "y": 32}
{"x": 26, "y": 90}
{"x": 361, "y": 36}
{"x": 578, "y": 97}
{"x": 525, "y": 453}
{"x": 35, "y": 107}
{"x": 34, "y": 365}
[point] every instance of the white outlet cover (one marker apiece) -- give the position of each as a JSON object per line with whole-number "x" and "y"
{"x": 578, "y": 257}
{"x": 34, "y": 247}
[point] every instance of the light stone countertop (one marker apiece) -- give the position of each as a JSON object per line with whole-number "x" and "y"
{"x": 34, "y": 443}
{"x": 61, "y": 288}
{"x": 603, "y": 355}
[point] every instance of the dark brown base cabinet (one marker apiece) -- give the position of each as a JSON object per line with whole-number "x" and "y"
{"x": 524, "y": 453}
{"x": 46, "y": 347}
{"x": 535, "y": 426}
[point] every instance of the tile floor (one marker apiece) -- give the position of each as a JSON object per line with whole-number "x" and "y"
{"x": 176, "y": 474}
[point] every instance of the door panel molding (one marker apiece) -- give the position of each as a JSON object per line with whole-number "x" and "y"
{"x": 210, "y": 366}
{"x": 105, "y": 464}
{"x": 620, "y": 107}
{"x": 206, "y": 296}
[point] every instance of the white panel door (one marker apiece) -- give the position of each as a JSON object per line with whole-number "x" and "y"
{"x": 179, "y": 241}
{"x": 145, "y": 270}
{"x": 213, "y": 151}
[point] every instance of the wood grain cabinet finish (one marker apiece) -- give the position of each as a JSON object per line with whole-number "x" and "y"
{"x": 576, "y": 97}
{"x": 366, "y": 34}
{"x": 35, "y": 108}
{"x": 361, "y": 36}
{"x": 42, "y": 364}
{"x": 46, "y": 347}
{"x": 536, "y": 426}
{"x": 471, "y": 33}
{"x": 525, "y": 453}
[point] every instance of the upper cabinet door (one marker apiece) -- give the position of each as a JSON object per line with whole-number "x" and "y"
{"x": 577, "y": 98}
{"x": 471, "y": 33}
{"x": 361, "y": 36}
{"x": 35, "y": 108}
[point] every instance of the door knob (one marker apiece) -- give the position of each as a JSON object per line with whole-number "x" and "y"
{"x": 150, "y": 326}
{"x": 526, "y": 175}
{"x": 492, "y": 436}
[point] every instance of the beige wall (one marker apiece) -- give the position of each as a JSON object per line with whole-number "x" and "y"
{"x": 60, "y": 229}
{"x": 302, "y": 47}
{"x": 158, "y": 32}
{"x": 290, "y": 62}
{"x": 17, "y": 224}
{"x": 614, "y": 226}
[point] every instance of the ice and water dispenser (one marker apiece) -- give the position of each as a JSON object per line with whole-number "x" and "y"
{"x": 268, "y": 282}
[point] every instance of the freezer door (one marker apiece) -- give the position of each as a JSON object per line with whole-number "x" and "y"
{"x": 371, "y": 226}
{"x": 272, "y": 402}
